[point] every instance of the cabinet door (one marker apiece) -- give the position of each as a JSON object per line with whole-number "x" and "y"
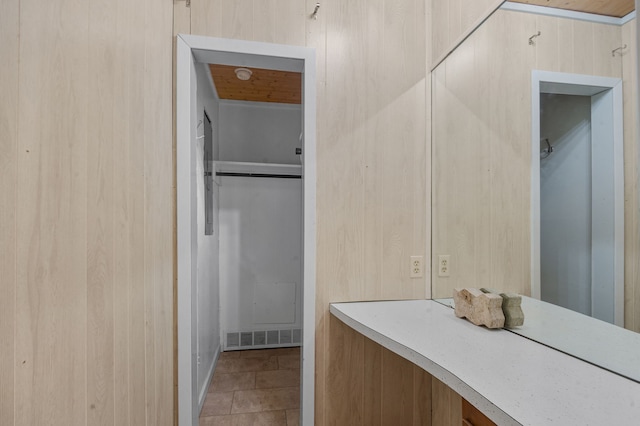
{"x": 471, "y": 416}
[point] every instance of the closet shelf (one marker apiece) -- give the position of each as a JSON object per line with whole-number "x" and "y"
{"x": 267, "y": 168}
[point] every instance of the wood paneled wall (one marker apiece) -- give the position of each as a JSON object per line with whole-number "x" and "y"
{"x": 86, "y": 213}
{"x": 481, "y": 142}
{"x": 87, "y": 207}
{"x": 371, "y": 385}
{"x": 372, "y": 157}
{"x": 631, "y": 179}
{"x": 9, "y": 78}
{"x": 453, "y": 20}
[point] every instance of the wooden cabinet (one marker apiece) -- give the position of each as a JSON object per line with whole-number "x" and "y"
{"x": 471, "y": 416}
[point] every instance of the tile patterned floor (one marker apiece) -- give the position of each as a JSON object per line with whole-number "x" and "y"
{"x": 254, "y": 388}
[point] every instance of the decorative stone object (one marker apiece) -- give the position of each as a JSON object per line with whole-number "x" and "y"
{"x": 478, "y": 307}
{"x": 511, "y": 308}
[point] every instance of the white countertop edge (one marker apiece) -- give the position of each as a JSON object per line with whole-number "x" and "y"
{"x": 445, "y": 376}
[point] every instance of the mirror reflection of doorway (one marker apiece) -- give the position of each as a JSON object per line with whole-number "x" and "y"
{"x": 578, "y": 195}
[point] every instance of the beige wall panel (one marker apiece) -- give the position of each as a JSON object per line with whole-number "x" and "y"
{"x": 481, "y": 142}
{"x": 158, "y": 212}
{"x": 401, "y": 140}
{"x": 453, "y": 20}
{"x": 374, "y": 154}
{"x": 275, "y": 21}
{"x": 606, "y": 38}
{"x": 51, "y": 327}
{"x": 135, "y": 101}
{"x": 9, "y": 69}
{"x": 206, "y": 17}
{"x": 123, "y": 132}
{"x": 510, "y": 151}
{"x": 547, "y": 46}
{"x": 631, "y": 179}
{"x": 439, "y": 32}
{"x": 566, "y": 44}
{"x": 583, "y": 47}
{"x": 100, "y": 212}
{"x": 237, "y": 19}
{"x": 182, "y": 21}
{"x": 94, "y": 85}
{"x": 370, "y": 127}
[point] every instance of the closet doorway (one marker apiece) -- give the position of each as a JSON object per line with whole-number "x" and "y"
{"x": 577, "y": 194}
{"x": 245, "y": 201}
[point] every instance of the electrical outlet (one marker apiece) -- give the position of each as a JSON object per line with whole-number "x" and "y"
{"x": 444, "y": 265}
{"x": 416, "y": 267}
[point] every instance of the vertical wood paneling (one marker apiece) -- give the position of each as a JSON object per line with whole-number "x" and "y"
{"x": 631, "y": 179}
{"x": 273, "y": 21}
{"x": 453, "y": 19}
{"x": 340, "y": 156}
{"x": 481, "y": 139}
{"x": 51, "y": 310}
{"x": 474, "y": 416}
{"x": 370, "y": 385}
{"x": 346, "y": 377}
{"x": 206, "y": 17}
{"x": 91, "y": 213}
{"x": 100, "y": 203}
{"x": 446, "y": 405}
{"x": 371, "y": 158}
{"x": 374, "y": 155}
{"x": 421, "y": 397}
{"x": 404, "y": 166}
{"x": 604, "y": 37}
{"x": 158, "y": 211}
{"x": 509, "y": 154}
{"x": 123, "y": 114}
{"x": 582, "y": 48}
{"x": 9, "y": 69}
{"x": 135, "y": 169}
{"x": 397, "y": 390}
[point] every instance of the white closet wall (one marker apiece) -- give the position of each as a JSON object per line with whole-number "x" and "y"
{"x": 260, "y": 225}
{"x": 259, "y": 132}
{"x": 565, "y": 202}
{"x": 207, "y": 292}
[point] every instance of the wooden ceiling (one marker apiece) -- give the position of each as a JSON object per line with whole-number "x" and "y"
{"x": 264, "y": 85}
{"x": 615, "y": 8}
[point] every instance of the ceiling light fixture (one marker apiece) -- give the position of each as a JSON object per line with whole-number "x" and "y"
{"x": 243, "y": 74}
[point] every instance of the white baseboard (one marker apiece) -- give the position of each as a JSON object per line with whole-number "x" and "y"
{"x": 202, "y": 393}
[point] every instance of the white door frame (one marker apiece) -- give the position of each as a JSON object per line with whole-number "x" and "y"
{"x": 192, "y": 49}
{"x": 585, "y": 85}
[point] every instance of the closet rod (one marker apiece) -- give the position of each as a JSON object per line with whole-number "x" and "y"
{"x": 260, "y": 175}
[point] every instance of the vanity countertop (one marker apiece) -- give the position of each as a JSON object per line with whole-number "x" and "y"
{"x": 510, "y": 379}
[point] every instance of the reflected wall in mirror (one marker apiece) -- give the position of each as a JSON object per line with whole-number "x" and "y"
{"x": 482, "y": 149}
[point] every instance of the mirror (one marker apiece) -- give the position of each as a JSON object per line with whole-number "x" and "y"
{"x": 483, "y": 195}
